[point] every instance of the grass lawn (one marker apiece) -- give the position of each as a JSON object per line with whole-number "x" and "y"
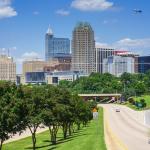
{"x": 89, "y": 138}
{"x": 147, "y": 100}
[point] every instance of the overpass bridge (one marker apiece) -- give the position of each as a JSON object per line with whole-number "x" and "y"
{"x": 112, "y": 97}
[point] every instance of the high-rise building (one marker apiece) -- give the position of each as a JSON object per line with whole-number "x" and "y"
{"x": 101, "y": 54}
{"x": 83, "y": 48}
{"x": 7, "y": 68}
{"x": 55, "y": 46}
{"x": 143, "y": 64}
{"x": 117, "y": 65}
{"x": 124, "y": 53}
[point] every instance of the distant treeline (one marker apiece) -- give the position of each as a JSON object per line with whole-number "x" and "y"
{"x": 127, "y": 84}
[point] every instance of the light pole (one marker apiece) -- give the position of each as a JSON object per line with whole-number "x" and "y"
{"x": 124, "y": 87}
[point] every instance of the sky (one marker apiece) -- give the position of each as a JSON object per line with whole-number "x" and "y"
{"x": 23, "y": 24}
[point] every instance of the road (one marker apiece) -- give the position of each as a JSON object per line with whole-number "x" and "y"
{"x": 125, "y": 130}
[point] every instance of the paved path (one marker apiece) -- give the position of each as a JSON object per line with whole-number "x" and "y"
{"x": 125, "y": 130}
{"x": 25, "y": 134}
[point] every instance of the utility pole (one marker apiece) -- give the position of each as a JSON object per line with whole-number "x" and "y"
{"x": 124, "y": 87}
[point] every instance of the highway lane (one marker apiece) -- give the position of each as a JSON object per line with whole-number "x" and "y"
{"x": 127, "y": 130}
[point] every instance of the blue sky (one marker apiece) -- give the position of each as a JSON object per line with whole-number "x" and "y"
{"x": 23, "y": 24}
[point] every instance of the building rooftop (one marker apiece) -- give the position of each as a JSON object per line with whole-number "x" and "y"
{"x": 83, "y": 25}
{"x": 49, "y": 31}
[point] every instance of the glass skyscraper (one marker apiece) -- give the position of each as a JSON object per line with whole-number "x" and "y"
{"x": 143, "y": 64}
{"x": 55, "y": 47}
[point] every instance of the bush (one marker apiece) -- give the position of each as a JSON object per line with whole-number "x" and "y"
{"x": 131, "y": 100}
{"x": 142, "y": 101}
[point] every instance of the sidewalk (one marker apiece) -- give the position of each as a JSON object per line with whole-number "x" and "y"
{"x": 25, "y": 134}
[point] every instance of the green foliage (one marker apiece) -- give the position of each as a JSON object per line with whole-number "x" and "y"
{"x": 33, "y": 106}
{"x": 128, "y": 84}
{"x": 10, "y": 108}
{"x": 89, "y": 138}
{"x": 129, "y": 92}
{"x": 96, "y": 83}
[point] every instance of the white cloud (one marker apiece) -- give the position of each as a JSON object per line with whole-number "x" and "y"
{"x": 102, "y": 45}
{"x": 28, "y": 56}
{"x": 6, "y": 10}
{"x": 135, "y": 43}
{"x": 92, "y": 5}
{"x": 139, "y": 46}
{"x": 62, "y": 12}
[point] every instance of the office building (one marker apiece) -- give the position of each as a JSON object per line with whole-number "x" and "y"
{"x": 124, "y": 53}
{"x": 7, "y": 68}
{"x": 83, "y": 48}
{"x": 59, "y": 64}
{"x": 35, "y": 77}
{"x": 50, "y": 77}
{"x": 143, "y": 64}
{"x": 117, "y": 65}
{"x": 33, "y": 66}
{"x": 55, "y": 47}
{"x": 101, "y": 54}
{"x": 56, "y": 77}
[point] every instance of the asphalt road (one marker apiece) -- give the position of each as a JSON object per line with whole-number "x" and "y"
{"x": 125, "y": 130}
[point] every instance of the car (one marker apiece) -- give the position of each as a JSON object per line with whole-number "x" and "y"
{"x": 117, "y": 110}
{"x": 148, "y": 141}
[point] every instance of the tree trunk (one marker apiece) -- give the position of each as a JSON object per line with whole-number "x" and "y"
{"x": 78, "y": 126}
{"x": 53, "y": 133}
{"x": 1, "y": 144}
{"x": 70, "y": 130}
{"x": 53, "y": 137}
{"x": 34, "y": 141}
{"x": 65, "y": 131}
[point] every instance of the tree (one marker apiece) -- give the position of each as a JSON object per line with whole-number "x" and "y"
{"x": 50, "y": 112}
{"x": 10, "y": 119}
{"x": 65, "y": 84}
{"x": 64, "y": 110}
{"x": 140, "y": 88}
{"x": 33, "y": 105}
{"x": 129, "y": 92}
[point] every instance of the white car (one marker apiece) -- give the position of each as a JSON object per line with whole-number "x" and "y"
{"x": 117, "y": 110}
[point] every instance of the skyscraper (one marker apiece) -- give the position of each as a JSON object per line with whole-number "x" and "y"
{"x": 83, "y": 48}
{"x": 101, "y": 54}
{"x": 143, "y": 64}
{"x": 55, "y": 46}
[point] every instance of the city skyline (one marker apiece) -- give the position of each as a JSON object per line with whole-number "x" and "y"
{"x": 23, "y": 24}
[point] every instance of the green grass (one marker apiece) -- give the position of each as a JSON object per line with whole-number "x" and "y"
{"x": 89, "y": 138}
{"x": 145, "y": 97}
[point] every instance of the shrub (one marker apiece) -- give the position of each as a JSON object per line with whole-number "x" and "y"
{"x": 131, "y": 100}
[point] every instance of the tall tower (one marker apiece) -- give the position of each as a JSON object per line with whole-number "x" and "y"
{"x": 56, "y": 47}
{"x": 83, "y": 48}
{"x": 48, "y": 39}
